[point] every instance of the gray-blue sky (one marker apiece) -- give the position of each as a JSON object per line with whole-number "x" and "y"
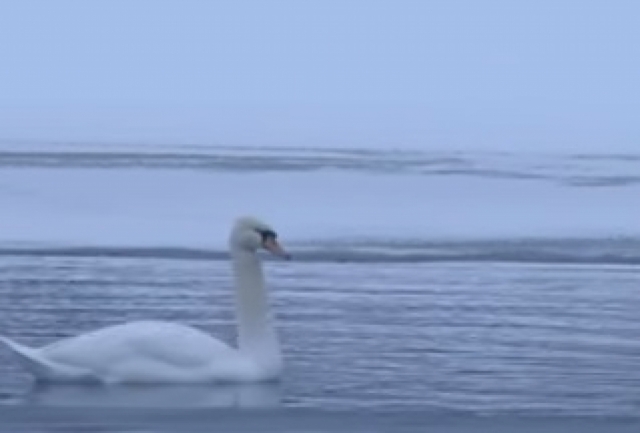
{"x": 508, "y": 74}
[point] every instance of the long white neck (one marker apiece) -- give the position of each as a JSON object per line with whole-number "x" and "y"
{"x": 256, "y": 332}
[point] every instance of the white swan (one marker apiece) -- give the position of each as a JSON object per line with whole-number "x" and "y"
{"x": 164, "y": 352}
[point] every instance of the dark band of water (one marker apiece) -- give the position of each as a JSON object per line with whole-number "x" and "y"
{"x": 574, "y": 170}
{"x": 301, "y": 420}
{"x": 586, "y": 251}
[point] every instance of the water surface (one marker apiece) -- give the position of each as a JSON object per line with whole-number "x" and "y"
{"x": 444, "y": 286}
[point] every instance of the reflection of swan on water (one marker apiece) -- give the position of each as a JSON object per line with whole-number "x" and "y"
{"x": 245, "y": 395}
{"x": 165, "y": 352}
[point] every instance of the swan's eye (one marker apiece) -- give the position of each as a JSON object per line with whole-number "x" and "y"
{"x": 267, "y": 234}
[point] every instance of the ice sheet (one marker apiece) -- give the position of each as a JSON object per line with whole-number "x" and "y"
{"x": 181, "y": 208}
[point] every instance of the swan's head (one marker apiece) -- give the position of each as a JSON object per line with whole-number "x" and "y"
{"x": 250, "y": 234}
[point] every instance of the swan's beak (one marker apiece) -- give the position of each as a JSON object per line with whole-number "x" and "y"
{"x": 271, "y": 245}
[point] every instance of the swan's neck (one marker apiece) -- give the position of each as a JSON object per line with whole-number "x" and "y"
{"x": 256, "y": 334}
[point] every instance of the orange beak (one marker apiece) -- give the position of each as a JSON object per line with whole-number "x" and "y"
{"x": 271, "y": 245}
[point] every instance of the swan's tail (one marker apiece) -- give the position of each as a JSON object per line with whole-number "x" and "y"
{"x": 42, "y": 369}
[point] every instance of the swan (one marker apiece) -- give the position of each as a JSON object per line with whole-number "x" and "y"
{"x": 152, "y": 351}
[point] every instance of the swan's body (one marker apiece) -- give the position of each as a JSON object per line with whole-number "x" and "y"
{"x": 165, "y": 352}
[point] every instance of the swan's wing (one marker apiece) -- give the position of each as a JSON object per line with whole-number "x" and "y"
{"x": 42, "y": 368}
{"x": 137, "y": 352}
{"x": 140, "y": 343}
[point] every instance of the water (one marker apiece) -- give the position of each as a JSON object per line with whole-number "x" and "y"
{"x": 428, "y": 284}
